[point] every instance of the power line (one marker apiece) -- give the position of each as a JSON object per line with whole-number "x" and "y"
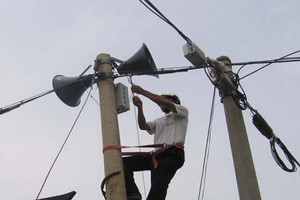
{"x": 154, "y": 10}
{"x": 282, "y": 59}
{"x": 290, "y": 59}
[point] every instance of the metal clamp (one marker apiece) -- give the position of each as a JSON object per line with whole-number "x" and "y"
{"x": 100, "y": 62}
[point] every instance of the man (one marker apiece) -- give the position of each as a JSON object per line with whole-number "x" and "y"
{"x": 165, "y": 161}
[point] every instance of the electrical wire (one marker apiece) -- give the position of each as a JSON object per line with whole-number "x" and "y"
{"x": 95, "y": 100}
{"x": 284, "y": 60}
{"x": 64, "y": 143}
{"x": 240, "y": 97}
{"x": 139, "y": 143}
{"x": 207, "y": 148}
{"x": 292, "y": 160}
{"x": 264, "y": 128}
{"x": 271, "y": 62}
{"x": 154, "y": 10}
{"x": 137, "y": 133}
{"x": 149, "y": 8}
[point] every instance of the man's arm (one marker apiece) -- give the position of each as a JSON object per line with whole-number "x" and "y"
{"x": 155, "y": 98}
{"x": 141, "y": 117}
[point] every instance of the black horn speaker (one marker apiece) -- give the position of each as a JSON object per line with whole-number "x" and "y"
{"x": 140, "y": 63}
{"x": 68, "y": 196}
{"x": 70, "y": 89}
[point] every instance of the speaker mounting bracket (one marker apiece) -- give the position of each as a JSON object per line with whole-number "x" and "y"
{"x": 100, "y": 62}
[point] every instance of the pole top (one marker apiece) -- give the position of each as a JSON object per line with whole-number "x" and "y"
{"x": 223, "y": 58}
{"x": 226, "y": 60}
{"x": 103, "y": 56}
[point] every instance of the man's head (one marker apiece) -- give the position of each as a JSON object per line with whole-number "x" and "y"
{"x": 172, "y": 97}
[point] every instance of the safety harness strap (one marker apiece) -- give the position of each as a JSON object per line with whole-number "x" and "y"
{"x": 162, "y": 148}
{"x": 125, "y": 147}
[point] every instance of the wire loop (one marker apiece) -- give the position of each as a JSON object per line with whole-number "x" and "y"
{"x": 275, "y": 140}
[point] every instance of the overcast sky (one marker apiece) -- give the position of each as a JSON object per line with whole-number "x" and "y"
{"x": 42, "y": 38}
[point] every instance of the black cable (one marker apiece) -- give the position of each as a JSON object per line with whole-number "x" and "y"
{"x": 271, "y": 62}
{"x": 284, "y": 60}
{"x": 274, "y": 140}
{"x": 240, "y": 69}
{"x": 239, "y": 98}
{"x": 264, "y": 128}
{"x": 153, "y": 9}
{"x": 149, "y": 8}
{"x": 105, "y": 180}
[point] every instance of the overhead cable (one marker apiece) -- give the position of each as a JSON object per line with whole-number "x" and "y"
{"x": 153, "y": 9}
{"x": 284, "y": 60}
{"x": 267, "y": 131}
{"x": 271, "y": 62}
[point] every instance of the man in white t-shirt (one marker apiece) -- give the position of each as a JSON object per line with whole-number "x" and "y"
{"x": 169, "y": 130}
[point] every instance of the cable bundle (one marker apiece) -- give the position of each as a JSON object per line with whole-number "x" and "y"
{"x": 267, "y": 131}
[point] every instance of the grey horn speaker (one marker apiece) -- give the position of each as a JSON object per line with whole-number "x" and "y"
{"x": 140, "y": 63}
{"x": 70, "y": 89}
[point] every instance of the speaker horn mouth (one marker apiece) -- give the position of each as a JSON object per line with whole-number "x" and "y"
{"x": 70, "y": 89}
{"x": 140, "y": 63}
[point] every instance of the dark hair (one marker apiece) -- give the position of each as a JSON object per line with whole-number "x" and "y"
{"x": 174, "y": 98}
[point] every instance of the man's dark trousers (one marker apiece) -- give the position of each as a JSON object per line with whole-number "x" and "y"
{"x": 168, "y": 163}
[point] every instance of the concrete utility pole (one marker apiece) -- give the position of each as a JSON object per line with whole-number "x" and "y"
{"x": 115, "y": 186}
{"x": 243, "y": 163}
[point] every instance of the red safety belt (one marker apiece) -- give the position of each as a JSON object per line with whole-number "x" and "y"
{"x": 163, "y": 148}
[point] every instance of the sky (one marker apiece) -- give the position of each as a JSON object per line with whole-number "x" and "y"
{"x": 41, "y": 39}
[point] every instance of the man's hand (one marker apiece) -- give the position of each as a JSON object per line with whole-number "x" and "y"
{"x": 137, "y": 101}
{"x": 141, "y": 118}
{"x": 137, "y": 89}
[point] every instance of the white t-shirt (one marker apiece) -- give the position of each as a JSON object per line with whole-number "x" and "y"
{"x": 171, "y": 128}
